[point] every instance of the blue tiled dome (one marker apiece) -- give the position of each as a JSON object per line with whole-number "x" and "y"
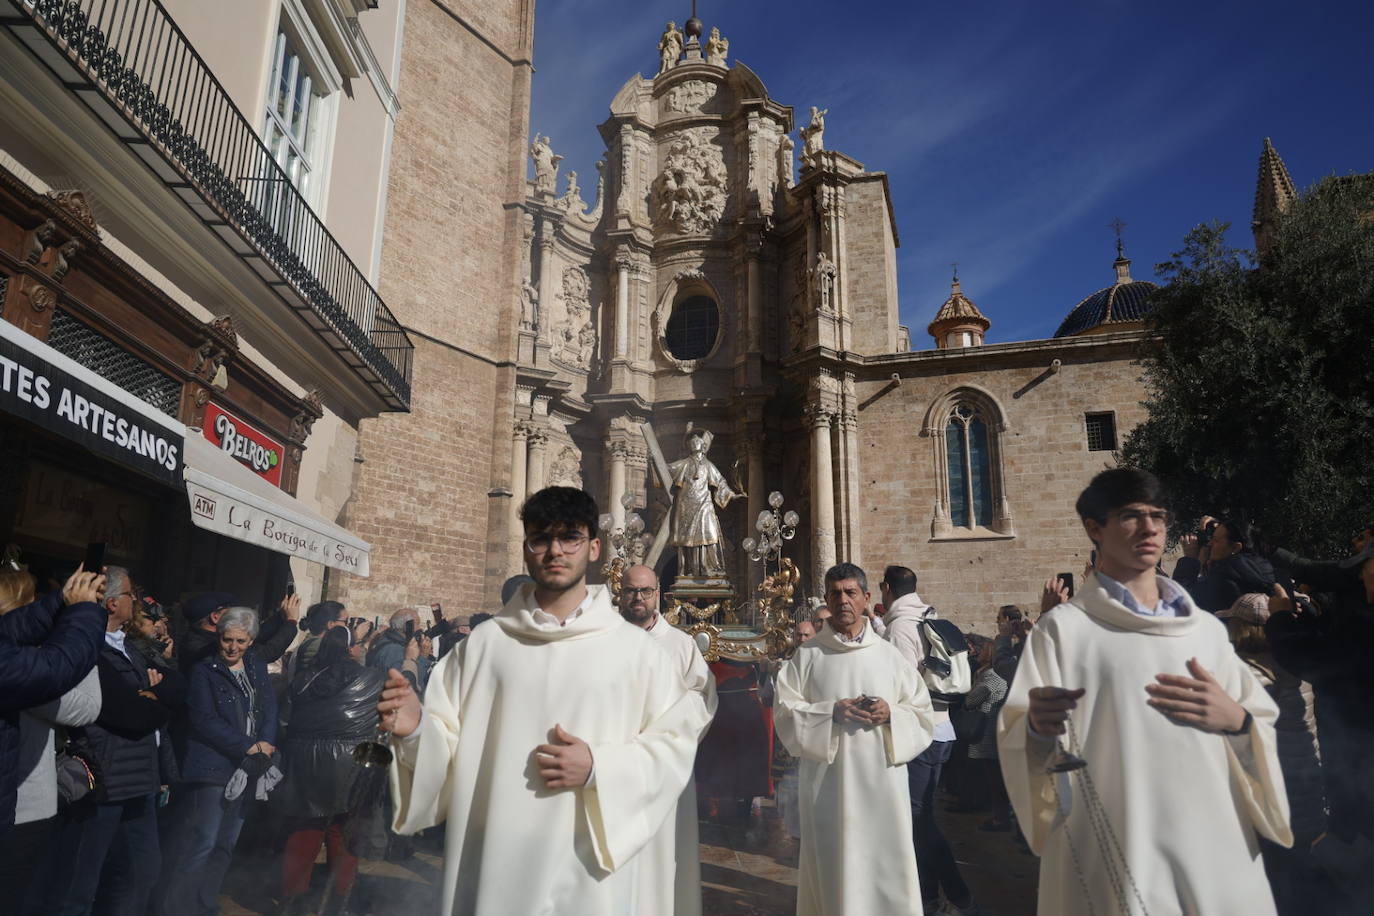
{"x": 1123, "y": 301}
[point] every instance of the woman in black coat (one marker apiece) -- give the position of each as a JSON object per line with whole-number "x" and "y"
{"x": 333, "y": 710}
{"x": 1233, "y": 567}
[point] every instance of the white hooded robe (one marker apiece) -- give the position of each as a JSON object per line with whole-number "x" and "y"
{"x": 1183, "y": 805}
{"x": 674, "y": 854}
{"x": 514, "y": 846}
{"x": 856, "y": 850}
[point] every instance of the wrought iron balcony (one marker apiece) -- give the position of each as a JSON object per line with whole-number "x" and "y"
{"x": 133, "y": 67}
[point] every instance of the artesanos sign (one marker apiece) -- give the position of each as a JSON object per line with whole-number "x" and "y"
{"x": 49, "y": 390}
{"x": 255, "y": 450}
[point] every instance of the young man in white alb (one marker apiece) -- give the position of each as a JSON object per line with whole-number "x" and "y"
{"x": 1177, "y": 734}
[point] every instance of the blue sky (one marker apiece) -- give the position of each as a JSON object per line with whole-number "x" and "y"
{"x": 1014, "y": 132}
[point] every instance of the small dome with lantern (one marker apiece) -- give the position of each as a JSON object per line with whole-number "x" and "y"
{"x": 958, "y": 323}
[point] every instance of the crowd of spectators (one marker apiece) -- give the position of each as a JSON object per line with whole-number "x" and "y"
{"x": 136, "y": 740}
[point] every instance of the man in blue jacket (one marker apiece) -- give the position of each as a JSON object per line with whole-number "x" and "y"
{"x": 107, "y": 851}
{"x": 46, "y": 648}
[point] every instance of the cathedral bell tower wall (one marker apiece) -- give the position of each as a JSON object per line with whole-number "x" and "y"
{"x": 432, "y": 487}
{"x": 870, "y": 266}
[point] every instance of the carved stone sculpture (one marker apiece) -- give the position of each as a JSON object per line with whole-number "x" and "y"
{"x": 698, "y": 488}
{"x": 823, "y": 282}
{"x": 574, "y": 340}
{"x": 716, "y": 48}
{"x": 566, "y": 470}
{"x": 669, "y": 48}
{"x": 572, "y": 198}
{"x": 785, "y": 150}
{"x": 545, "y": 165}
{"x": 690, "y": 193}
{"x": 586, "y": 344}
{"x": 689, "y": 96}
{"x": 813, "y": 134}
{"x": 529, "y": 306}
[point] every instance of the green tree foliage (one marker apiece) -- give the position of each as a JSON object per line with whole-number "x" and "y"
{"x": 1261, "y": 394}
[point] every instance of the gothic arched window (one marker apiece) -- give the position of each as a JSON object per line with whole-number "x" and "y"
{"x": 965, "y": 426}
{"x": 970, "y": 469}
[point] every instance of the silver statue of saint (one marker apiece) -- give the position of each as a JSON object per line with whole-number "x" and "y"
{"x": 698, "y": 487}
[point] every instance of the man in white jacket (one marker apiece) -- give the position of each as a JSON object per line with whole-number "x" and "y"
{"x": 939, "y": 870}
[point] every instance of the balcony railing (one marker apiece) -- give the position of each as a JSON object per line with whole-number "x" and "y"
{"x": 129, "y": 62}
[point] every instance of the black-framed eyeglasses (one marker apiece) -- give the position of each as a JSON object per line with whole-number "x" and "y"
{"x": 568, "y": 542}
{"x": 1132, "y": 518}
{"x": 640, "y": 592}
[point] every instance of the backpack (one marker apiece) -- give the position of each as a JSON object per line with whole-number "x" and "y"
{"x": 945, "y": 667}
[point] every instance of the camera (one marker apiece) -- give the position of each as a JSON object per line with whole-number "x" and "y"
{"x": 1204, "y": 535}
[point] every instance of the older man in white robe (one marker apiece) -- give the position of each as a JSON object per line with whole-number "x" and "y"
{"x": 855, "y": 712}
{"x": 1181, "y": 768}
{"x": 555, "y": 743}
{"x": 673, "y": 855}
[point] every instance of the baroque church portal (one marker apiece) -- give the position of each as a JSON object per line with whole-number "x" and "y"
{"x": 736, "y": 272}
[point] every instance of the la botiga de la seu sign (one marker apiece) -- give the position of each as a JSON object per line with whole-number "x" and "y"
{"x": 250, "y": 447}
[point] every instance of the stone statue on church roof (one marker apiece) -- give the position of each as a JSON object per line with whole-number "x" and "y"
{"x": 813, "y": 134}
{"x": 572, "y": 198}
{"x": 716, "y": 48}
{"x": 669, "y": 48}
{"x": 545, "y": 165}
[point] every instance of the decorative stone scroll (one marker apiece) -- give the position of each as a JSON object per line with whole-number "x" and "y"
{"x": 689, "y": 194}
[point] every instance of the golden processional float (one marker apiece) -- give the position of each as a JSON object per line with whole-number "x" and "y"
{"x": 703, "y": 601}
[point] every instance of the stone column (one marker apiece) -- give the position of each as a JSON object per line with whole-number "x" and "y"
{"x": 546, "y": 278}
{"x": 822, "y": 495}
{"x": 755, "y": 343}
{"x": 538, "y": 441}
{"x": 852, "y": 516}
{"x": 616, "y": 450}
{"x": 622, "y": 307}
{"x": 519, "y": 464}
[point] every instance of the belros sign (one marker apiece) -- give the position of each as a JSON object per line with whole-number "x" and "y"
{"x": 255, "y": 450}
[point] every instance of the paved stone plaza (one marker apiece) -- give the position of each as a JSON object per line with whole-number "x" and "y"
{"x": 737, "y": 878}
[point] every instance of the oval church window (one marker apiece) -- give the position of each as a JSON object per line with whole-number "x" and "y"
{"x": 692, "y": 328}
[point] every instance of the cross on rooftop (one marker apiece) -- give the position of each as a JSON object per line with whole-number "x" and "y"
{"x": 1118, "y": 224}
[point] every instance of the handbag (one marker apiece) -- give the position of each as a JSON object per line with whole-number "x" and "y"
{"x": 969, "y": 724}
{"x": 77, "y": 772}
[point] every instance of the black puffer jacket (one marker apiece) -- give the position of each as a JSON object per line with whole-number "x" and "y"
{"x": 124, "y": 736}
{"x": 1226, "y": 580}
{"x": 332, "y": 712}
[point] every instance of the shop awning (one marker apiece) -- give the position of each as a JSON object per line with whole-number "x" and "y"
{"x": 231, "y": 500}
{"x": 62, "y": 396}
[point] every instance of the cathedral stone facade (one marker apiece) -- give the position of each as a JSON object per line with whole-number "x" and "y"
{"x": 725, "y": 268}
{"x": 727, "y": 275}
